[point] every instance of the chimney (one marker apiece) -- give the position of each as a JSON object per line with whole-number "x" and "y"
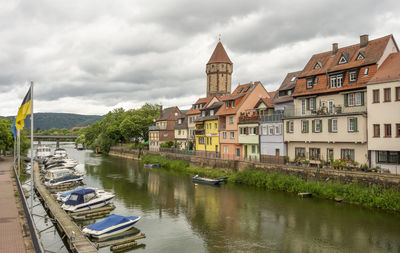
{"x": 160, "y": 110}
{"x": 363, "y": 40}
{"x": 334, "y": 48}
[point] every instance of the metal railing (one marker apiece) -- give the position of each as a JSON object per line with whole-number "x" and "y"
{"x": 272, "y": 118}
{"x": 324, "y": 111}
{"x": 152, "y": 128}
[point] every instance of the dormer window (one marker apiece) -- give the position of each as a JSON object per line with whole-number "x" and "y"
{"x": 201, "y": 106}
{"x": 361, "y": 56}
{"x": 352, "y": 76}
{"x": 336, "y": 81}
{"x": 240, "y": 90}
{"x": 212, "y": 113}
{"x": 365, "y": 71}
{"x": 342, "y": 59}
{"x": 318, "y": 65}
{"x": 203, "y": 113}
{"x": 179, "y": 121}
{"x": 233, "y": 104}
{"x": 293, "y": 79}
{"x": 309, "y": 83}
{"x": 227, "y": 104}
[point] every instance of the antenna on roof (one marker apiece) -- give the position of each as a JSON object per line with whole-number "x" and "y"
{"x": 219, "y": 37}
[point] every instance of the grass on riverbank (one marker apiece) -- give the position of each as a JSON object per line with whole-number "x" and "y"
{"x": 374, "y": 196}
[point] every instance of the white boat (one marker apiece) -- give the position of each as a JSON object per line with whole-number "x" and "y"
{"x": 110, "y": 226}
{"x": 87, "y": 199}
{"x": 60, "y": 152}
{"x": 63, "y": 196}
{"x": 79, "y": 146}
{"x": 57, "y": 173}
{"x": 67, "y": 179}
{"x": 43, "y": 152}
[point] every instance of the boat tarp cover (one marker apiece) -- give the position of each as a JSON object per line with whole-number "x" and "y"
{"x": 65, "y": 178}
{"x": 111, "y": 220}
{"x": 76, "y": 197}
{"x": 65, "y": 194}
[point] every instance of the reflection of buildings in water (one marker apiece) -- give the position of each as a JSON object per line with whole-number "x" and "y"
{"x": 153, "y": 183}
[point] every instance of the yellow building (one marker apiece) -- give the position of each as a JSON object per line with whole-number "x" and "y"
{"x": 206, "y": 132}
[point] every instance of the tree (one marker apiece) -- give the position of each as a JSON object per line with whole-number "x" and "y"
{"x": 6, "y": 137}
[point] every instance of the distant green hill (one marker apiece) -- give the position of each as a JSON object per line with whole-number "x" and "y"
{"x": 47, "y": 120}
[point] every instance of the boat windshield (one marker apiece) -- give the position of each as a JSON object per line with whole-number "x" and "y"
{"x": 73, "y": 197}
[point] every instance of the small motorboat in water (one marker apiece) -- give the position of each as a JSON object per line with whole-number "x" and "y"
{"x": 152, "y": 165}
{"x": 110, "y": 226}
{"x": 43, "y": 152}
{"x": 87, "y": 199}
{"x": 67, "y": 179}
{"x": 204, "y": 180}
{"x": 60, "y": 152}
{"x": 63, "y": 196}
{"x": 57, "y": 173}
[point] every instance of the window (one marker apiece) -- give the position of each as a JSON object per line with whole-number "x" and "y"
{"x": 331, "y": 106}
{"x": 231, "y": 120}
{"x": 315, "y": 153}
{"x": 347, "y": 154}
{"x": 201, "y": 140}
{"x": 303, "y": 106}
{"x": 264, "y": 131}
{"x": 317, "y": 126}
{"x": 397, "y": 130}
{"x": 352, "y": 125}
{"x": 332, "y": 125}
{"x": 336, "y": 81}
{"x": 365, "y": 71}
{"x": 388, "y": 130}
{"x": 252, "y": 130}
{"x": 309, "y": 83}
{"x": 208, "y": 141}
{"x": 377, "y": 130}
{"x": 389, "y": 157}
{"x": 211, "y": 112}
{"x": 238, "y": 152}
{"x": 293, "y": 79}
{"x": 318, "y": 65}
{"x": 227, "y": 104}
{"x": 242, "y": 130}
{"x": 375, "y": 96}
{"x": 232, "y": 135}
{"x": 179, "y": 132}
{"x": 304, "y": 126}
{"x": 352, "y": 76}
{"x": 397, "y": 93}
{"x": 342, "y": 60}
{"x": 277, "y": 130}
{"x": 223, "y": 135}
{"x": 300, "y": 152}
{"x": 386, "y": 95}
{"x": 360, "y": 56}
{"x": 233, "y": 104}
{"x": 355, "y": 99}
{"x": 289, "y": 126}
{"x": 215, "y": 125}
{"x": 179, "y": 121}
{"x": 313, "y": 102}
{"x": 203, "y": 113}
{"x": 271, "y": 130}
{"x": 253, "y": 149}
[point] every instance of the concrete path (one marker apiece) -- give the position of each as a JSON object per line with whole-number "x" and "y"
{"x": 11, "y": 239}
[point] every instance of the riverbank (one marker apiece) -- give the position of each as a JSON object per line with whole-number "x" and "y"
{"x": 373, "y": 196}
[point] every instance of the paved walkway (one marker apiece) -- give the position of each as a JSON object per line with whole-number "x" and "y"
{"x": 11, "y": 239}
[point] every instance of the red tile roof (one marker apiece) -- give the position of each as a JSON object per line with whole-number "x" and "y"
{"x": 288, "y": 83}
{"x": 389, "y": 70}
{"x": 219, "y": 55}
{"x": 204, "y": 101}
{"x": 372, "y": 52}
{"x": 239, "y": 95}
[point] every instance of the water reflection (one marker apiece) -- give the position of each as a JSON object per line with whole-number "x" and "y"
{"x": 177, "y": 215}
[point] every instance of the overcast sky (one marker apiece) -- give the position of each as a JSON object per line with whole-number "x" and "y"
{"x": 89, "y": 57}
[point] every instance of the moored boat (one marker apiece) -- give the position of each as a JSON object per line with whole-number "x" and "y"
{"x": 205, "y": 180}
{"x": 87, "y": 199}
{"x": 42, "y": 152}
{"x": 60, "y": 152}
{"x": 67, "y": 179}
{"x": 57, "y": 173}
{"x": 152, "y": 165}
{"x": 110, "y": 226}
{"x": 63, "y": 196}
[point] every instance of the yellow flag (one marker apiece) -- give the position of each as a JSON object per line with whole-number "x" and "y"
{"x": 24, "y": 109}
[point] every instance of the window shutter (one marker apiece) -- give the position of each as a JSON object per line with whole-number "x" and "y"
{"x": 307, "y": 126}
{"x": 308, "y": 104}
{"x": 320, "y": 125}
{"x": 345, "y": 100}
{"x": 314, "y": 103}
{"x": 287, "y": 126}
{"x": 256, "y": 130}
{"x": 330, "y": 125}
{"x": 313, "y": 126}
{"x": 355, "y": 125}
{"x": 362, "y": 98}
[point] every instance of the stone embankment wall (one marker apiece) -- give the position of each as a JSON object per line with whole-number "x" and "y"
{"x": 309, "y": 173}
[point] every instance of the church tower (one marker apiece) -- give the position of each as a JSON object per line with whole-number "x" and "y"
{"x": 219, "y": 72}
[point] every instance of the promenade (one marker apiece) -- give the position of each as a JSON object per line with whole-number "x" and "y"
{"x": 11, "y": 238}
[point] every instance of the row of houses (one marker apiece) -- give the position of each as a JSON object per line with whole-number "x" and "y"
{"x": 344, "y": 104}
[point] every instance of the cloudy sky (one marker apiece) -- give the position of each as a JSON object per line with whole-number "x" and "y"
{"x": 89, "y": 57}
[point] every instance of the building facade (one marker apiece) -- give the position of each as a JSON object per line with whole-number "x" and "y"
{"x": 164, "y": 128}
{"x": 182, "y": 132}
{"x": 329, "y": 119}
{"x": 383, "y": 100}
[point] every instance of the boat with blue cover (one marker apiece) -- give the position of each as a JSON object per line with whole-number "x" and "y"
{"x": 210, "y": 181}
{"x": 152, "y": 165}
{"x": 63, "y": 196}
{"x": 110, "y": 226}
{"x": 87, "y": 199}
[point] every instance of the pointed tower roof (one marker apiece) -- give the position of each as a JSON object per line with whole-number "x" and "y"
{"x": 219, "y": 55}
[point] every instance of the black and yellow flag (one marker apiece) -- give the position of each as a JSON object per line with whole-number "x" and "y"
{"x": 24, "y": 110}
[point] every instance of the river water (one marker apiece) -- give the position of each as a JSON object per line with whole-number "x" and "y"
{"x": 179, "y": 216}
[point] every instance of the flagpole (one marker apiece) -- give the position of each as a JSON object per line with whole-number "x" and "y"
{"x": 15, "y": 152}
{"x": 32, "y": 160}
{"x": 18, "y": 152}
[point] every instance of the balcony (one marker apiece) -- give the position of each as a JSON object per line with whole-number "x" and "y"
{"x": 276, "y": 117}
{"x": 337, "y": 110}
{"x": 199, "y": 132}
{"x": 155, "y": 128}
{"x": 249, "y": 119}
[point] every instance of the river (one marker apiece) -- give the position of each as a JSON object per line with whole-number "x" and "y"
{"x": 179, "y": 216}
